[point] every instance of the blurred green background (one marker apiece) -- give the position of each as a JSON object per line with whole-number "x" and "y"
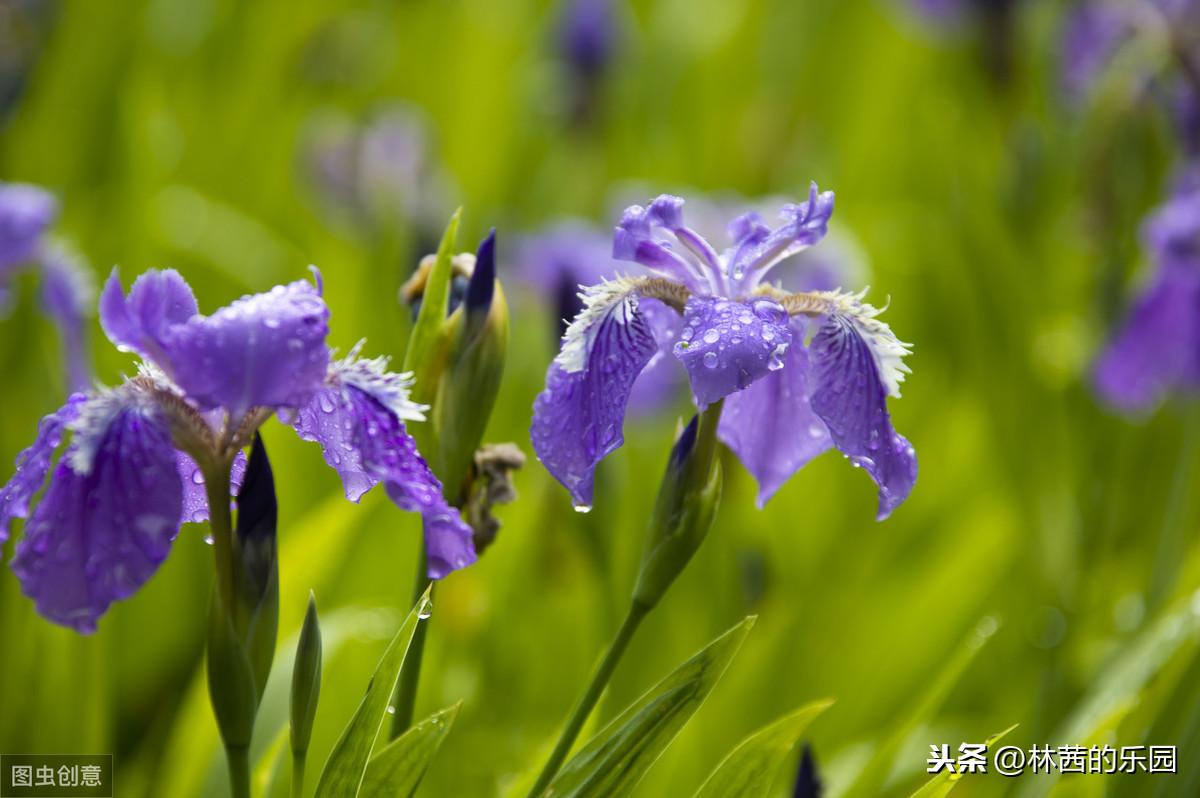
{"x": 1041, "y": 573}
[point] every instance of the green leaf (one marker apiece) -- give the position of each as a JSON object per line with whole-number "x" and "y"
{"x": 615, "y": 760}
{"x": 397, "y": 770}
{"x": 347, "y": 762}
{"x": 751, "y": 767}
{"x": 428, "y": 333}
{"x": 941, "y": 784}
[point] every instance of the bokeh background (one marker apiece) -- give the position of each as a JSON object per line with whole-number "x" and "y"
{"x": 1041, "y": 573}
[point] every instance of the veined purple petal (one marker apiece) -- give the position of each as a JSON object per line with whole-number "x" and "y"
{"x": 850, "y": 386}
{"x": 804, "y": 224}
{"x": 263, "y": 350}
{"x": 771, "y": 426}
{"x": 195, "y": 499}
{"x": 1157, "y": 350}
{"x": 25, "y": 213}
{"x": 34, "y": 463}
{"x": 98, "y": 535}
{"x": 641, "y": 237}
{"x": 358, "y": 419}
{"x": 725, "y": 346}
{"x": 661, "y": 378}
{"x": 577, "y": 419}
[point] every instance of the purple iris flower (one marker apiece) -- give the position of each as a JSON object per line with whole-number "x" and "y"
{"x": 587, "y": 35}
{"x": 743, "y": 340}
{"x": 1157, "y": 350}
{"x": 26, "y": 213}
{"x": 130, "y": 476}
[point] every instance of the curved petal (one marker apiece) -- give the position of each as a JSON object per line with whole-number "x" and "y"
{"x": 139, "y": 322}
{"x": 757, "y": 248}
{"x": 771, "y": 426}
{"x": 358, "y": 419}
{"x": 265, "y": 350}
{"x": 725, "y": 346}
{"x": 660, "y": 380}
{"x": 25, "y": 213}
{"x": 98, "y": 535}
{"x": 1158, "y": 348}
{"x": 195, "y": 499}
{"x": 34, "y": 463}
{"x": 67, "y": 295}
{"x": 641, "y": 237}
{"x": 577, "y": 418}
{"x": 852, "y": 377}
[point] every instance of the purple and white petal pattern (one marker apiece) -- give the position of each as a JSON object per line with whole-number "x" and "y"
{"x": 358, "y": 419}
{"x": 725, "y": 345}
{"x": 856, "y": 363}
{"x": 263, "y": 350}
{"x": 34, "y": 463}
{"x": 99, "y": 534}
{"x": 771, "y": 427}
{"x": 195, "y": 499}
{"x": 1157, "y": 351}
{"x": 25, "y": 213}
{"x": 578, "y": 418}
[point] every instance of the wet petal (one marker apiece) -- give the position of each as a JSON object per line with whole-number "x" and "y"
{"x": 757, "y": 248}
{"x": 265, "y": 350}
{"x": 98, "y": 535}
{"x": 358, "y": 419}
{"x": 661, "y": 379}
{"x": 851, "y": 380}
{"x": 34, "y": 463}
{"x": 195, "y": 499}
{"x": 1158, "y": 348}
{"x": 577, "y": 419}
{"x": 25, "y": 213}
{"x": 725, "y": 346}
{"x": 141, "y": 321}
{"x": 655, "y": 238}
{"x": 771, "y": 426}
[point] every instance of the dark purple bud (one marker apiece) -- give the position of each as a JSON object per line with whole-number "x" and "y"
{"x": 684, "y": 445}
{"x": 808, "y": 780}
{"x": 483, "y": 280}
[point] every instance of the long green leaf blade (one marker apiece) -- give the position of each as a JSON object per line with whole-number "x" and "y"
{"x": 751, "y": 767}
{"x": 615, "y": 760}
{"x": 347, "y": 762}
{"x": 397, "y": 770}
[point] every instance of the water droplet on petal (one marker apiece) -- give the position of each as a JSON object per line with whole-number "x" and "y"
{"x": 583, "y": 508}
{"x": 711, "y": 336}
{"x": 208, "y": 538}
{"x": 710, "y": 360}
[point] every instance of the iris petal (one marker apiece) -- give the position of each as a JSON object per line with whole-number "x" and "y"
{"x": 358, "y": 422}
{"x": 578, "y": 417}
{"x": 96, "y": 537}
{"x": 195, "y": 499}
{"x": 25, "y": 213}
{"x": 140, "y": 321}
{"x": 34, "y": 463}
{"x": 850, "y": 396}
{"x": 725, "y": 346}
{"x": 771, "y": 426}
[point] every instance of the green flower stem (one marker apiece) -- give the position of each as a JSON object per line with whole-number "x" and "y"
{"x": 217, "y": 487}
{"x": 404, "y": 700}
{"x": 584, "y": 708}
{"x": 687, "y": 487}
{"x": 1172, "y": 541}
{"x": 298, "y": 761}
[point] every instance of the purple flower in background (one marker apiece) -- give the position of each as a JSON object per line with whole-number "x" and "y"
{"x": 1091, "y": 36}
{"x": 1156, "y": 351}
{"x": 587, "y": 35}
{"x": 26, "y": 213}
{"x": 131, "y": 474}
{"x": 743, "y": 341}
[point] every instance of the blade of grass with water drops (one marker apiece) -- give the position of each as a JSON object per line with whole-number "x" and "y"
{"x": 347, "y": 763}
{"x": 751, "y": 767}
{"x": 615, "y": 760}
{"x": 397, "y": 770}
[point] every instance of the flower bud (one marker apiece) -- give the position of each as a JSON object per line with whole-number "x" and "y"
{"x": 683, "y": 513}
{"x": 306, "y": 680}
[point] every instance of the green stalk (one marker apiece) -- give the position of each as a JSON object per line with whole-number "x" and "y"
{"x": 588, "y": 701}
{"x": 239, "y": 770}
{"x": 298, "y": 761}
{"x": 1171, "y": 537}
{"x": 404, "y": 700}
{"x": 676, "y": 532}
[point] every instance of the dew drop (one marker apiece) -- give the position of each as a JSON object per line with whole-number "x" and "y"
{"x": 710, "y": 360}
{"x": 711, "y": 336}
{"x": 583, "y": 508}
{"x": 768, "y": 334}
{"x": 425, "y": 610}
{"x": 197, "y": 477}
{"x": 208, "y": 538}
{"x": 391, "y": 710}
